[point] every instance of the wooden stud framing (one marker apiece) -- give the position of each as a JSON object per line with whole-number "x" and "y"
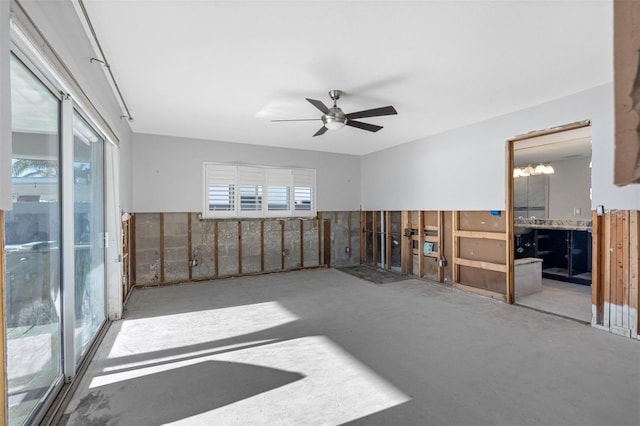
{"x": 3, "y": 341}
{"x": 387, "y": 239}
{"x": 281, "y": 244}
{"x": 301, "y": 243}
{"x": 479, "y": 234}
{"x": 614, "y": 270}
{"x": 161, "y": 247}
{"x": 407, "y": 244}
{"x": 510, "y": 290}
{"x": 456, "y": 248}
{"x": 326, "y": 227}
{"x": 240, "y": 247}
{"x": 349, "y": 236}
{"x": 624, "y": 265}
{"x": 634, "y": 302}
{"x": 320, "y": 238}
{"x": 374, "y": 239}
{"x": 421, "y": 240}
{"x": 215, "y": 248}
{"x": 363, "y": 237}
{"x": 606, "y": 273}
{"x": 440, "y": 227}
{"x": 597, "y": 296}
{"x": 190, "y": 245}
{"x": 132, "y": 250}
{"x": 482, "y": 265}
{"x": 483, "y": 292}
{"x": 262, "y": 245}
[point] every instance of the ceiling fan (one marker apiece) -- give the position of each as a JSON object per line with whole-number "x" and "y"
{"x": 334, "y": 118}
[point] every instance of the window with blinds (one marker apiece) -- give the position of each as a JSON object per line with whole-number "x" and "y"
{"x": 258, "y": 191}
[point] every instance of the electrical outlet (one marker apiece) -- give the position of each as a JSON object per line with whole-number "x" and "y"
{"x": 577, "y": 211}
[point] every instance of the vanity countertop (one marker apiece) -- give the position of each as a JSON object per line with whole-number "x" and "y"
{"x": 568, "y": 224}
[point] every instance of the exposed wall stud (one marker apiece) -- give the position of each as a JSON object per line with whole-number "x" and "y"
{"x": 240, "y": 247}
{"x": 161, "y": 247}
{"x": 349, "y": 236}
{"x": 606, "y": 261}
{"x": 597, "y": 297}
{"x": 282, "y": 244}
{"x": 190, "y": 245}
{"x": 420, "y": 244}
{"x": 301, "y": 243}
{"x": 387, "y": 238}
{"x": 262, "y": 245}
{"x": 320, "y": 238}
{"x": 374, "y": 239}
{"x": 634, "y": 254}
{"x": 216, "y": 257}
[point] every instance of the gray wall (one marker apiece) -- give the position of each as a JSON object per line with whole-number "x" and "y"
{"x": 167, "y": 172}
{"x": 465, "y": 168}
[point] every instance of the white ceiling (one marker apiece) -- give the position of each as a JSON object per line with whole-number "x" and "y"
{"x": 221, "y": 70}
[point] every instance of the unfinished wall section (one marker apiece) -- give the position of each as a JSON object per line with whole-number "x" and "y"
{"x": 180, "y": 247}
{"x": 147, "y": 245}
{"x": 616, "y": 257}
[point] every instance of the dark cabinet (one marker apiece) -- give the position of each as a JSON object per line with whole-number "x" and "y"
{"x": 566, "y": 254}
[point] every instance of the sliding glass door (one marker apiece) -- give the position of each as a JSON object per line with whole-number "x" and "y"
{"x": 32, "y": 242}
{"x": 55, "y": 251}
{"x": 88, "y": 212}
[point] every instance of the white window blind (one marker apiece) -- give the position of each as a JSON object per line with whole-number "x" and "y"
{"x": 279, "y": 190}
{"x": 257, "y": 191}
{"x": 220, "y": 183}
{"x": 304, "y": 184}
{"x": 251, "y": 180}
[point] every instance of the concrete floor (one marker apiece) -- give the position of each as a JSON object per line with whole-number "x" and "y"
{"x": 561, "y": 298}
{"x": 323, "y": 347}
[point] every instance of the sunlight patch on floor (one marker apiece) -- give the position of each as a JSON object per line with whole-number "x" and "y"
{"x": 337, "y": 388}
{"x": 139, "y": 336}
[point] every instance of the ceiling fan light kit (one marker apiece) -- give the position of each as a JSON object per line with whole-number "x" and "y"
{"x": 334, "y": 118}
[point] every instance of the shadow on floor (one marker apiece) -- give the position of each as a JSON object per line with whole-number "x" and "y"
{"x": 374, "y": 275}
{"x": 177, "y": 393}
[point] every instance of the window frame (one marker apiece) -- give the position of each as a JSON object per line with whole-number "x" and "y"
{"x": 262, "y": 177}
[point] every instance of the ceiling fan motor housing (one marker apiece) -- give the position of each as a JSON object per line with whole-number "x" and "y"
{"x": 335, "y": 119}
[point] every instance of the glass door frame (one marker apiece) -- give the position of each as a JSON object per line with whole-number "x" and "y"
{"x": 67, "y": 108}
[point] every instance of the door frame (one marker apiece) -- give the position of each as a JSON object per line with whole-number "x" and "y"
{"x": 596, "y": 283}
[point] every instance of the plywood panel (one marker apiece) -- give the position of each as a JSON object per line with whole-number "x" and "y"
{"x": 482, "y": 221}
{"x": 483, "y": 279}
{"x": 480, "y": 249}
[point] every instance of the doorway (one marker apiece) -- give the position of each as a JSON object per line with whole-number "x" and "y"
{"x": 550, "y": 202}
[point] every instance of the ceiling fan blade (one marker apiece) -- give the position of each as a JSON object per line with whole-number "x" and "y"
{"x": 318, "y": 104}
{"x": 321, "y": 131}
{"x": 299, "y": 119}
{"x": 364, "y": 126}
{"x": 376, "y": 112}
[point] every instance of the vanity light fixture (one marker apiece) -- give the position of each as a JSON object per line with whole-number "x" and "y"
{"x": 540, "y": 169}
